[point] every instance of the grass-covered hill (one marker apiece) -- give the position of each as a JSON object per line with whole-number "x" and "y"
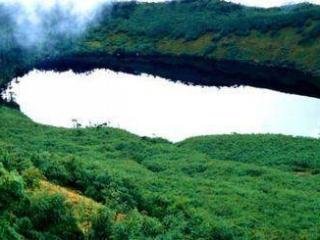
{"x": 218, "y": 30}
{"x": 103, "y": 183}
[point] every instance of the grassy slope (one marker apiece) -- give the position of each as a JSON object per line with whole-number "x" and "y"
{"x": 83, "y": 208}
{"x": 137, "y": 32}
{"x": 270, "y": 150}
{"x": 212, "y": 197}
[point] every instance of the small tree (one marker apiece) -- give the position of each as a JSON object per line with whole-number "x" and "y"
{"x": 11, "y": 187}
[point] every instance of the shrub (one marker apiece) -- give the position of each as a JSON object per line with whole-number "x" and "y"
{"x": 32, "y": 177}
{"x": 11, "y": 187}
{"x": 102, "y": 225}
{"x": 51, "y": 214}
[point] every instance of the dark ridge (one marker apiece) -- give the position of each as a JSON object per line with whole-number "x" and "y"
{"x": 195, "y": 71}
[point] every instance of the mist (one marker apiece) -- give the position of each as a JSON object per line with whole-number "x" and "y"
{"x": 34, "y": 20}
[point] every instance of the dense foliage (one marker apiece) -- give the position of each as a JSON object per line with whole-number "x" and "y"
{"x": 152, "y": 189}
{"x": 206, "y": 16}
{"x": 218, "y": 30}
{"x": 25, "y": 214}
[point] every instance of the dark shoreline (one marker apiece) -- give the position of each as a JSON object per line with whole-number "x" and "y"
{"x": 186, "y": 69}
{"x": 195, "y": 71}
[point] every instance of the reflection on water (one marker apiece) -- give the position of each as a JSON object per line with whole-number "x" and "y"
{"x": 152, "y": 106}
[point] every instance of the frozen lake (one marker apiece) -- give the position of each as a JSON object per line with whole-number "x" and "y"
{"x": 153, "y": 106}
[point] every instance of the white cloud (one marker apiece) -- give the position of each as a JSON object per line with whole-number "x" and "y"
{"x": 30, "y": 17}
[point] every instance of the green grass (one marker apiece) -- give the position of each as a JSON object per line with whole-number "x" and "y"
{"x": 220, "y": 187}
{"x": 211, "y": 29}
{"x": 277, "y": 151}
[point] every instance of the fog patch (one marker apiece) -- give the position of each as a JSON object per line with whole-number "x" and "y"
{"x": 36, "y": 20}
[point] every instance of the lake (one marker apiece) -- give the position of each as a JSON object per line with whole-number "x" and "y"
{"x": 152, "y": 106}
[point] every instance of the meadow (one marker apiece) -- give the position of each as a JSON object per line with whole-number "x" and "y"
{"x": 106, "y": 183}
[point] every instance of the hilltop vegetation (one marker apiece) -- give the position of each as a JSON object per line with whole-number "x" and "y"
{"x": 212, "y": 29}
{"x": 218, "y": 187}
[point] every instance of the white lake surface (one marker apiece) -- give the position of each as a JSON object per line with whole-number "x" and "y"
{"x": 153, "y": 106}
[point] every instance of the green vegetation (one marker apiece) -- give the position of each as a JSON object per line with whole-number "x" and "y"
{"x": 103, "y": 183}
{"x": 277, "y": 151}
{"x": 109, "y": 184}
{"x": 217, "y": 30}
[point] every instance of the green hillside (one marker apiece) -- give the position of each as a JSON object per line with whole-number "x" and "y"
{"x": 217, "y": 187}
{"x": 213, "y": 29}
